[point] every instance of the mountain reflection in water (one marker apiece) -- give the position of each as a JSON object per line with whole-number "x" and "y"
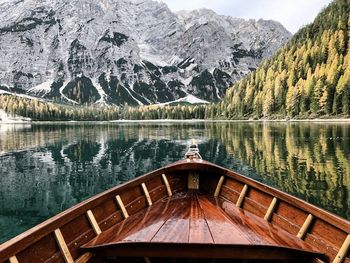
{"x": 47, "y": 168}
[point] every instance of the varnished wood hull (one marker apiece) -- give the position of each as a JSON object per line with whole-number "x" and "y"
{"x": 189, "y": 209}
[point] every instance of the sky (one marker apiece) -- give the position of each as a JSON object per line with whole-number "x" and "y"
{"x": 292, "y": 14}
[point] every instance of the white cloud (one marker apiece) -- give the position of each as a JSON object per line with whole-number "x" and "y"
{"x": 291, "y": 13}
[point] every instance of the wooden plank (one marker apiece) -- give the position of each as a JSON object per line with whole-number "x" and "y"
{"x": 254, "y": 207}
{"x": 151, "y": 222}
{"x": 13, "y": 259}
{"x": 176, "y": 228}
{"x": 93, "y": 222}
{"x": 222, "y": 229}
{"x": 166, "y": 183}
{"x": 241, "y": 196}
{"x": 84, "y": 258}
{"x": 260, "y": 197}
{"x": 329, "y": 234}
{"x": 271, "y": 209}
{"x": 229, "y": 194}
{"x": 199, "y": 229}
{"x": 44, "y": 248}
{"x": 142, "y": 226}
{"x": 145, "y": 191}
{"x": 218, "y": 187}
{"x": 121, "y": 206}
{"x": 318, "y": 244}
{"x": 305, "y": 227}
{"x": 63, "y": 246}
{"x": 258, "y": 231}
{"x": 343, "y": 251}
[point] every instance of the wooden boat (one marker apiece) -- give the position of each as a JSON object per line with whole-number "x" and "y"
{"x": 189, "y": 211}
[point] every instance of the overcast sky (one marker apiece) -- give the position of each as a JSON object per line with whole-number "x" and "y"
{"x": 293, "y": 14}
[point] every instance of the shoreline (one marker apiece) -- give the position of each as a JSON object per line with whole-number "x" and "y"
{"x": 260, "y": 120}
{"x": 337, "y": 120}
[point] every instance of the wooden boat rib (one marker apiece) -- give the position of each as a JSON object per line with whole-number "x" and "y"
{"x": 191, "y": 209}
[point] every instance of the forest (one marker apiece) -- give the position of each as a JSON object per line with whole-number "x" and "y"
{"x": 308, "y": 78}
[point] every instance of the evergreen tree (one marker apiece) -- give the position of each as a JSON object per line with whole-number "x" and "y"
{"x": 309, "y": 76}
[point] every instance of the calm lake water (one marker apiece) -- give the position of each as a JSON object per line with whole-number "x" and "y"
{"x": 47, "y": 168}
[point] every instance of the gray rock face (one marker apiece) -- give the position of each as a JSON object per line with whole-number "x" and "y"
{"x": 126, "y": 51}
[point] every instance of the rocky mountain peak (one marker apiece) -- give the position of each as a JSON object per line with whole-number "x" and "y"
{"x": 126, "y": 51}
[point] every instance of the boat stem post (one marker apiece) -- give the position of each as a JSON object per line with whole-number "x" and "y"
{"x": 193, "y": 152}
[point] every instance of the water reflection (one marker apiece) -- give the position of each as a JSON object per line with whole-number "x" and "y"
{"x": 311, "y": 161}
{"x": 46, "y": 168}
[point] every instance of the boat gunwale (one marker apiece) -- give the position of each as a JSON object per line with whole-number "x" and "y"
{"x": 36, "y": 233}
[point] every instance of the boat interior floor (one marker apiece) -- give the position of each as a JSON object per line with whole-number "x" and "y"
{"x": 192, "y": 225}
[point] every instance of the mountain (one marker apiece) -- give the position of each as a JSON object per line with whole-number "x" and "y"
{"x": 134, "y": 52}
{"x": 308, "y": 77}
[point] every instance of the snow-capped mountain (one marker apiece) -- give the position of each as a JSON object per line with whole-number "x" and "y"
{"x": 127, "y": 51}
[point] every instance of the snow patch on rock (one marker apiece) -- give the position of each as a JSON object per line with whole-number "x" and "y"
{"x": 41, "y": 89}
{"x": 188, "y": 99}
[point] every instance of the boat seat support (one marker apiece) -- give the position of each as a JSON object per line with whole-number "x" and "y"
{"x": 167, "y": 185}
{"x": 93, "y": 222}
{"x": 63, "y": 246}
{"x": 271, "y": 209}
{"x": 219, "y": 186}
{"x": 343, "y": 251}
{"x": 242, "y": 196}
{"x": 305, "y": 227}
{"x": 121, "y": 206}
{"x": 13, "y": 259}
{"x": 145, "y": 191}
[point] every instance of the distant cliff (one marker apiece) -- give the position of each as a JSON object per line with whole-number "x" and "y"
{"x": 127, "y": 51}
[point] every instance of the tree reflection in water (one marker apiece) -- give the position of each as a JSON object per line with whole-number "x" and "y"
{"x": 46, "y": 168}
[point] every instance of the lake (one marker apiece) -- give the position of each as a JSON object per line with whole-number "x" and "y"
{"x": 47, "y": 168}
